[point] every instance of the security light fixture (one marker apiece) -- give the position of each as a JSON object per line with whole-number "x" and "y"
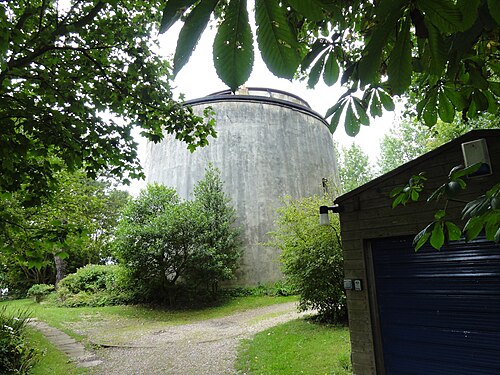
{"x": 324, "y": 219}
{"x": 477, "y": 152}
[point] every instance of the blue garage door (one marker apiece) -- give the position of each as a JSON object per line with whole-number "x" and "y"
{"x": 439, "y": 311}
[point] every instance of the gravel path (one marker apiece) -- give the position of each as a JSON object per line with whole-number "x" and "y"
{"x": 205, "y": 347}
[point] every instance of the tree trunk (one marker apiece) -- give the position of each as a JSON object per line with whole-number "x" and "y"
{"x": 60, "y": 268}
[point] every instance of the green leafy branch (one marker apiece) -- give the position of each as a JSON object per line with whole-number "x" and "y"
{"x": 438, "y": 232}
{"x": 410, "y": 192}
{"x": 441, "y": 53}
{"x": 483, "y": 213}
{"x": 455, "y": 183}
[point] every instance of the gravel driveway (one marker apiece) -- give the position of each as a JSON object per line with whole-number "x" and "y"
{"x": 205, "y": 347}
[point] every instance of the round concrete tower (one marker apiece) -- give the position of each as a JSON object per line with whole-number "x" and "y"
{"x": 269, "y": 144}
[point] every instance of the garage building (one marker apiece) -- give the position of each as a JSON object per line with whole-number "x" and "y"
{"x": 428, "y": 312}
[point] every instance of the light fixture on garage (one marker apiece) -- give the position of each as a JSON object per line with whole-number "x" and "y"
{"x": 324, "y": 219}
{"x": 477, "y": 152}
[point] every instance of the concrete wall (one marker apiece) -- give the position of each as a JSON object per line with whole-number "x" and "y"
{"x": 264, "y": 150}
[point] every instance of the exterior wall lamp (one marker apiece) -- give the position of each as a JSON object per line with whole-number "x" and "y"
{"x": 324, "y": 219}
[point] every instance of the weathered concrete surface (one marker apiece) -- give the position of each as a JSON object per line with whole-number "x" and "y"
{"x": 264, "y": 151}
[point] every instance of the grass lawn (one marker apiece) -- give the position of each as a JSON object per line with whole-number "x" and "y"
{"x": 297, "y": 347}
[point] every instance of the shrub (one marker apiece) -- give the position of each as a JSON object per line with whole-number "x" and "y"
{"x": 97, "y": 299}
{"x": 16, "y": 354}
{"x": 218, "y": 252}
{"x": 311, "y": 256}
{"x": 157, "y": 252}
{"x": 90, "y": 278}
{"x": 284, "y": 288}
{"x": 281, "y": 288}
{"x": 40, "y": 291}
{"x": 179, "y": 249}
{"x": 95, "y": 285}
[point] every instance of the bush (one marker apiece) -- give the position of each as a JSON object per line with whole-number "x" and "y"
{"x": 90, "y": 278}
{"x": 95, "y": 285}
{"x": 157, "y": 251}
{"x": 311, "y": 256}
{"x": 16, "y": 354}
{"x": 98, "y": 299}
{"x": 279, "y": 289}
{"x": 284, "y": 288}
{"x": 40, "y": 291}
{"x": 179, "y": 251}
{"x": 216, "y": 258}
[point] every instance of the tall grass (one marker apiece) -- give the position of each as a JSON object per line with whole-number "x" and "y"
{"x": 17, "y": 355}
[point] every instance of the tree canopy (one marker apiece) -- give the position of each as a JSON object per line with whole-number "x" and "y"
{"x": 73, "y": 228}
{"x": 354, "y": 168}
{"x": 443, "y": 53}
{"x": 410, "y": 139}
{"x": 75, "y": 78}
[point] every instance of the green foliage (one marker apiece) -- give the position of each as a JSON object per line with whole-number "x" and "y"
{"x": 219, "y": 240}
{"x": 483, "y": 213}
{"x": 172, "y": 246}
{"x": 17, "y": 356}
{"x": 311, "y": 256}
{"x": 74, "y": 81}
{"x": 158, "y": 252}
{"x": 172, "y": 12}
{"x": 297, "y": 347}
{"x": 354, "y": 168}
{"x": 281, "y": 288}
{"x": 190, "y": 34}
{"x": 40, "y": 291}
{"x": 443, "y": 54}
{"x": 91, "y": 278}
{"x": 96, "y": 285}
{"x": 276, "y": 38}
{"x": 76, "y": 224}
{"x": 410, "y": 192}
{"x": 233, "y": 46}
{"x": 405, "y": 142}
